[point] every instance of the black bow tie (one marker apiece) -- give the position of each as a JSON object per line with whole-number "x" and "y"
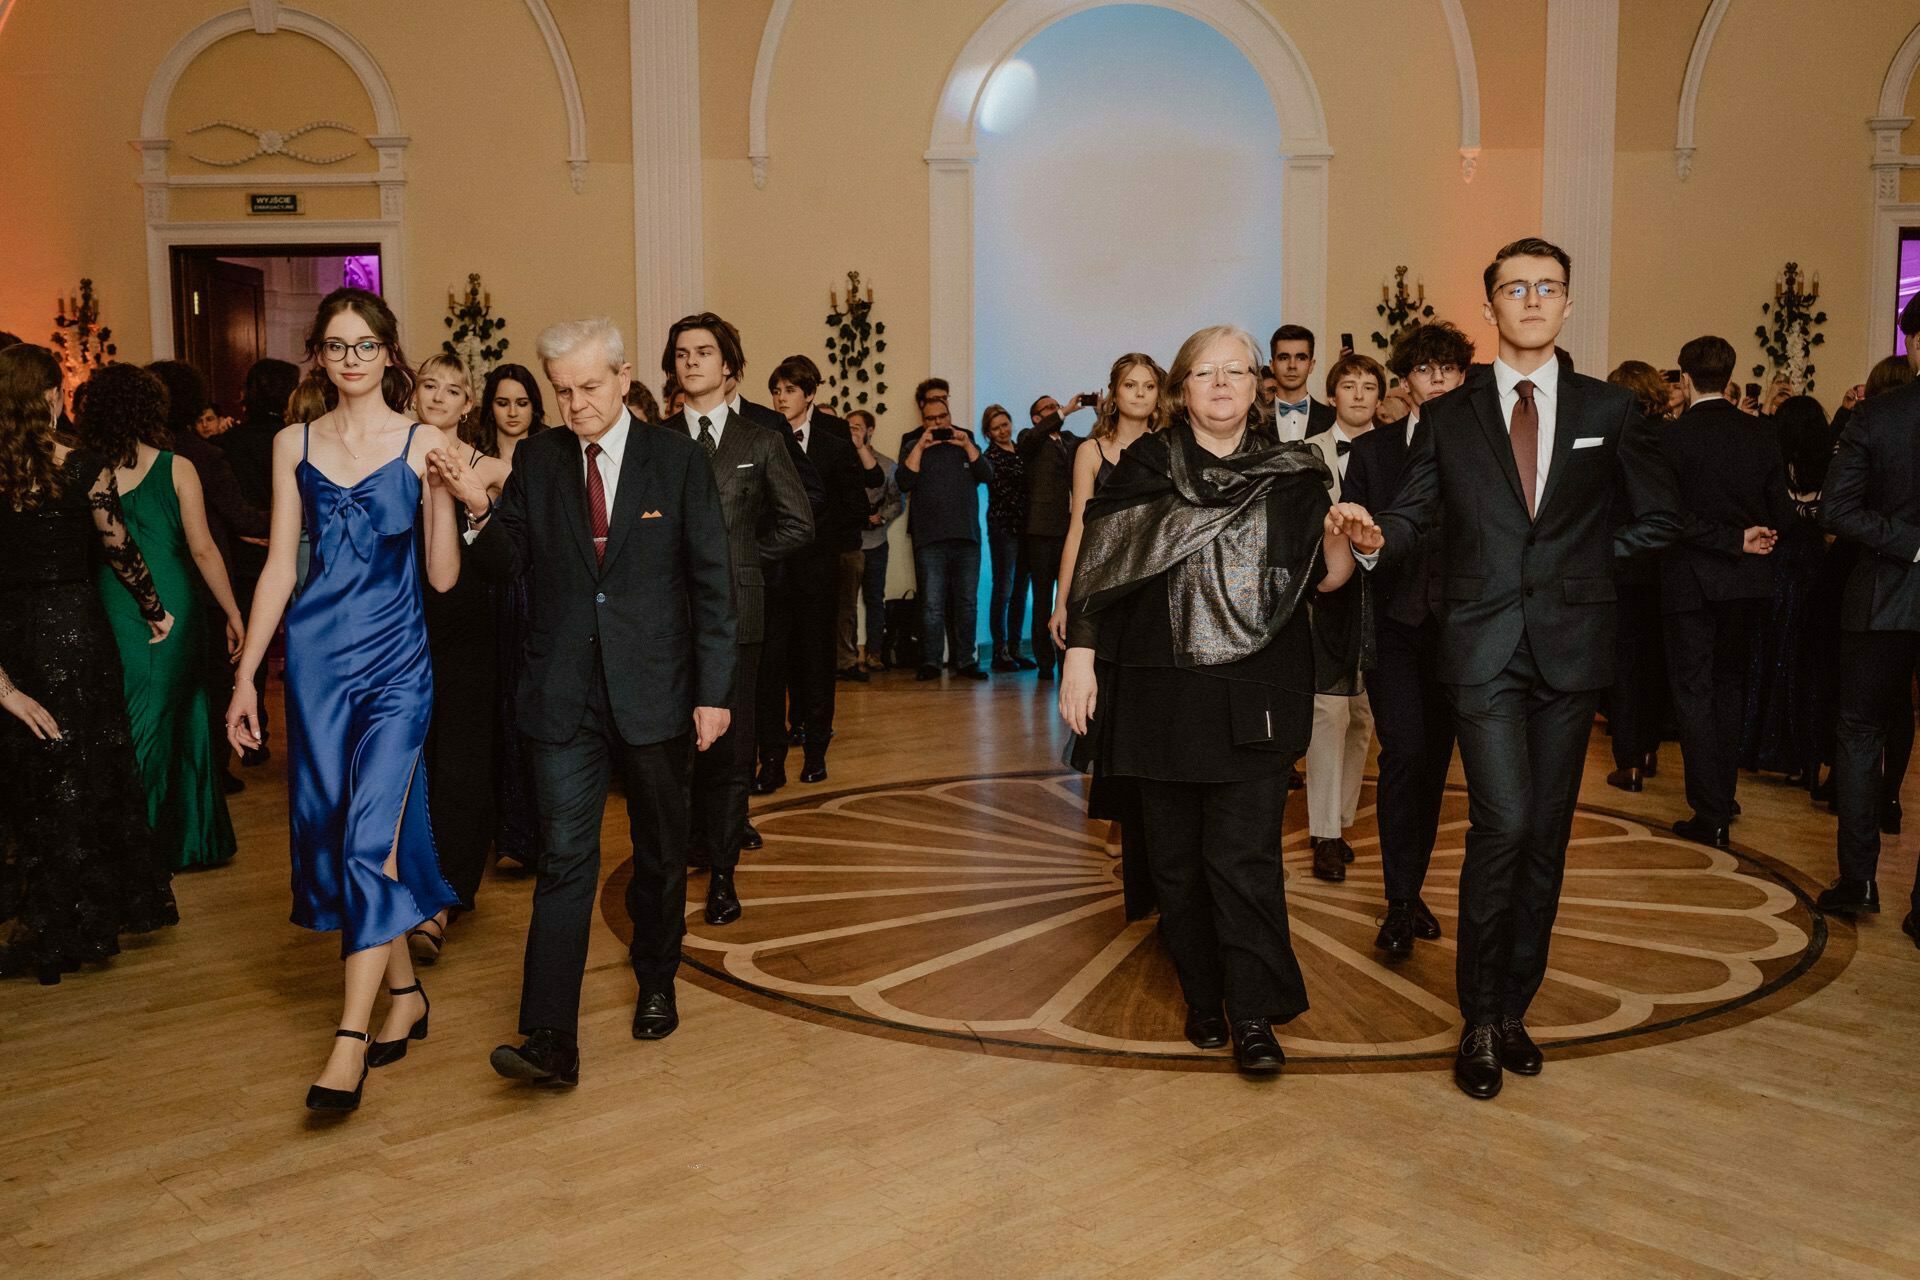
{"x": 1340, "y": 448}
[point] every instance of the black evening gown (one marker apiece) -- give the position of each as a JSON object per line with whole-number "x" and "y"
{"x": 1785, "y": 694}
{"x": 460, "y": 740}
{"x": 78, "y": 864}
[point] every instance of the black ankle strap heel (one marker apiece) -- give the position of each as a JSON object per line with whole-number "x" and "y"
{"x": 382, "y": 1053}
{"x": 320, "y": 1098}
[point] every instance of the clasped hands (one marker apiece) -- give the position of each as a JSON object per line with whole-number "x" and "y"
{"x": 1351, "y": 521}
{"x": 449, "y": 471}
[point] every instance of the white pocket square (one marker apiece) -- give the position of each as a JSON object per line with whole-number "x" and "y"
{"x": 1587, "y": 442}
{"x": 742, "y": 466}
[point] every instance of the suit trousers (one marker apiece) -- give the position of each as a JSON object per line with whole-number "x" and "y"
{"x": 1213, "y": 849}
{"x": 1637, "y": 703}
{"x": 873, "y": 600}
{"x": 1523, "y": 744}
{"x": 796, "y": 657}
{"x": 570, "y": 782}
{"x": 722, "y": 774}
{"x": 1415, "y": 721}
{"x": 1043, "y": 575}
{"x": 1708, "y": 650}
{"x": 1336, "y": 759}
{"x": 846, "y": 599}
{"x": 1875, "y": 670}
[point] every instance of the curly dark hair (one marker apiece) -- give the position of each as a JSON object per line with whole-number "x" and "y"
{"x": 1437, "y": 343}
{"x": 27, "y": 474}
{"x": 120, "y": 408}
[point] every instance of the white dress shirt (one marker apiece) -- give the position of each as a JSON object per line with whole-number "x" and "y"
{"x": 1413, "y": 420}
{"x": 1340, "y": 436}
{"x": 803, "y": 432}
{"x": 1292, "y": 424}
{"x": 613, "y": 447}
{"x": 1546, "y": 396}
{"x": 716, "y": 417}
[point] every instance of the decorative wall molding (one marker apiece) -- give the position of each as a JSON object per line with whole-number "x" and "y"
{"x": 1467, "y": 71}
{"x": 762, "y": 86}
{"x": 951, "y": 156}
{"x": 667, "y": 253}
{"x": 1576, "y": 204}
{"x": 273, "y": 142}
{"x": 266, "y": 16}
{"x": 569, "y": 92}
{"x": 6, "y": 7}
{"x": 1683, "y": 144}
{"x": 1888, "y": 125}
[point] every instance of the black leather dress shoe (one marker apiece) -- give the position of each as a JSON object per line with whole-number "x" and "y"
{"x": 1023, "y": 664}
{"x": 814, "y": 768}
{"x": 1849, "y": 897}
{"x": 655, "y": 1017}
{"x": 1255, "y": 1051}
{"x": 723, "y": 904}
{"x": 1627, "y": 779}
{"x": 548, "y": 1057}
{"x": 971, "y": 671}
{"x": 1518, "y": 1053}
{"x": 1425, "y": 926}
{"x": 771, "y": 777}
{"x": 1700, "y": 832}
{"x": 1476, "y": 1068}
{"x": 1651, "y": 769}
{"x": 927, "y": 671}
{"x": 1206, "y": 1030}
{"x": 1890, "y": 817}
{"x": 1327, "y": 863}
{"x": 750, "y": 839}
{"x": 1911, "y": 926}
{"x": 1396, "y": 931}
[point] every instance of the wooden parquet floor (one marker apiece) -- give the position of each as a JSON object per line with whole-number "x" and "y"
{"x": 151, "y": 1121}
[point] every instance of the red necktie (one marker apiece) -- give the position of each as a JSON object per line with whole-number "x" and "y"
{"x": 1524, "y": 435}
{"x": 597, "y": 503}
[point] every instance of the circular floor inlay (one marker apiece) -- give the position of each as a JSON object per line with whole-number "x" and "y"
{"x": 985, "y": 913}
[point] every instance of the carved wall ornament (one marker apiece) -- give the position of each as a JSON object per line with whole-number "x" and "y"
{"x": 273, "y": 142}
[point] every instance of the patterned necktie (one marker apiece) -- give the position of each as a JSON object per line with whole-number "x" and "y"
{"x": 597, "y": 503}
{"x": 707, "y": 441}
{"x": 1524, "y": 435}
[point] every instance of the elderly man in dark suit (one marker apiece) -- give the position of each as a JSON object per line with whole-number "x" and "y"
{"x": 1872, "y": 496}
{"x": 1525, "y": 466}
{"x": 619, "y": 532}
{"x": 1733, "y": 500}
{"x": 768, "y": 519}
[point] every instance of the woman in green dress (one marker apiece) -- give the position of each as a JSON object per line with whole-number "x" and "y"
{"x": 121, "y": 414}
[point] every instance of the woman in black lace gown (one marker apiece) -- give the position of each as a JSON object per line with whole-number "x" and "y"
{"x": 78, "y": 864}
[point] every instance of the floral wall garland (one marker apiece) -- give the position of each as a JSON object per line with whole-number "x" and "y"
{"x": 853, "y": 338}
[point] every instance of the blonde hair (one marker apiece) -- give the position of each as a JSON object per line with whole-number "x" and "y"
{"x": 1106, "y": 420}
{"x": 1173, "y": 393}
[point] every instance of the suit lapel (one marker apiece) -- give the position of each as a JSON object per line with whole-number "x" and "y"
{"x": 733, "y": 449}
{"x": 1485, "y": 399}
{"x": 574, "y": 486}
{"x": 627, "y": 499}
{"x": 1566, "y": 428}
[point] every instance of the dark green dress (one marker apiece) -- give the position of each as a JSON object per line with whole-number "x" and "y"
{"x": 166, "y": 696}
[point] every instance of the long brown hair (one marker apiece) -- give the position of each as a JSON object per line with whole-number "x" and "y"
{"x": 1106, "y": 421}
{"x": 1649, "y": 388}
{"x": 484, "y": 434}
{"x": 396, "y": 383}
{"x": 27, "y": 473}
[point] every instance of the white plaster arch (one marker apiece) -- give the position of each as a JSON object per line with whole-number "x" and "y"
{"x": 951, "y": 156}
{"x": 762, "y": 86}
{"x": 1683, "y": 144}
{"x": 1888, "y": 125}
{"x": 569, "y": 92}
{"x": 1466, "y": 69}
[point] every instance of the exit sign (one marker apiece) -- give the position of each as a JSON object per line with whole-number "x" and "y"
{"x": 274, "y": 202}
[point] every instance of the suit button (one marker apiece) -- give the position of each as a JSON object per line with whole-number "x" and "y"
{"x": 1529, "y": 592}
{"x": 600, "y": 597}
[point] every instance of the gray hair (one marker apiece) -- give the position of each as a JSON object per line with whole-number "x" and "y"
{"x": 568, "y": 336}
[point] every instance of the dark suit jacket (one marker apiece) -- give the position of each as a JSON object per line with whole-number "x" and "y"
{"x": 1872, "y": 496}
{"x": 1731, "y": 477}
{"x": 1409, "y": 589}
{"x": 809, "y": 474}
{"x": 656, "y": 617}
{"x": 249, "y": 450}
{"x": 768, "y": 518}
{"x": 1047, "y": 451}
{"x": 1550, "y": 577}
{"x": 830, "y": 450}
{"x": 229, "y": 514}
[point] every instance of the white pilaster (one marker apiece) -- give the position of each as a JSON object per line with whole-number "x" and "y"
{"x": 1576, "y": 200}
{"x": 664, "y": 38}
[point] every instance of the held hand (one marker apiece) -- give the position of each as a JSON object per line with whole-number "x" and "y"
{"x": 243, "y": 717}
{"x": 1854, "y": 395}
{"x": 1079, "y": 689}
{"x": 1057, "y": 626}
{"x": 709, "y": 723}
{"x": 448, "y": 470}
{"x": 31, "y": 714}
{"x": 160, "y": 629}
{"x": 1351, "y": 521}
{"x": 236, "y": 637}
{"x": 1758, "y": 541}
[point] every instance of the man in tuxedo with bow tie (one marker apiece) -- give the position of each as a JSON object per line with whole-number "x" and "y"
{"x": 1531, "y": 470}
{"x": 619, "y": 533}
{"x": 1411, "y": 711}
{"x": 1296, "y": 414}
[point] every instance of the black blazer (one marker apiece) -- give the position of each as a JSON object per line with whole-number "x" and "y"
{"x": 1047, "y": 452}
{"x": 1872, "y": 496}
{"x": 1550, "y": 577}
{"x": 809, "y": 474}
{"x": 766, "y": 509}
{"x": 656, "y": 618}
{"x": 1376, "y": 466}
{"x": 1731, "y": 477}
{"x": 830, "y": 450}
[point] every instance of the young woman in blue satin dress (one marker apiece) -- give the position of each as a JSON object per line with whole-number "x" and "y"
{"x": 359, "y": 683}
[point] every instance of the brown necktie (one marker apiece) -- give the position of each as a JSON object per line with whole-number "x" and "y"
{"x": 597, "y": 502}
{"x": 1524, "y": 434}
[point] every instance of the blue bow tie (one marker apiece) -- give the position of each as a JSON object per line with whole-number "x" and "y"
{"x": 1299, "y": 407}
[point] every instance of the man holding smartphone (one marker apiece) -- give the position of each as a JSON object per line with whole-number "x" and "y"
{"x": 940, "y": 474}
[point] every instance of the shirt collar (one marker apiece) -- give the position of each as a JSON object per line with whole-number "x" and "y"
{"x": 614, "y": 443}
{"x": 716, "y": 415}
{"x": 1545, "y": 379}
{"x": 1700, "y": 400}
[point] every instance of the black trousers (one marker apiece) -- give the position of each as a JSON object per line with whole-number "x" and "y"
{"x": 1875, "y": 669}
{"x": 1214, "y": 852}
{"x": 1043, "y": 575}
{"x": 796, "y": 657}
{"x": 1414, "y": 719}
{"x": 1523, "y": 743}
{"x": 717, "y": 811}
{"x": 1708, "y": 651}
{"x": 570, "y": 781}
{"x": 1637, "y": 703}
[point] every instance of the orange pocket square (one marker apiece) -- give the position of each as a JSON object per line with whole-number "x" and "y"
{"x": 650, "y": 515}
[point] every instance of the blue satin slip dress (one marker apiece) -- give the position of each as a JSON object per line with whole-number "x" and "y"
{"x": 359, "y": 690}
